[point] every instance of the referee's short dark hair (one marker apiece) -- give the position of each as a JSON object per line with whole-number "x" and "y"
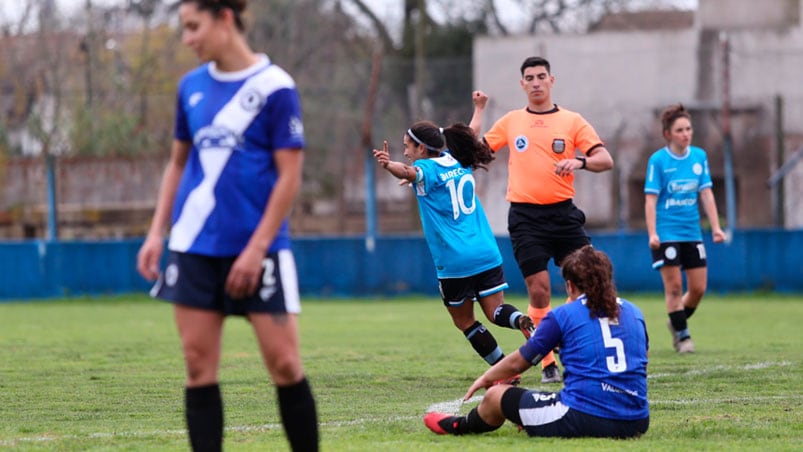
{"x": 534, "y": 61}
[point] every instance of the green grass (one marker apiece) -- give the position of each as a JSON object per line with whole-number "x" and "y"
{"x": 107, "y": 374}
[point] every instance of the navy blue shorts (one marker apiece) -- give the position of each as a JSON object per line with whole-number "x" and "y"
{"x": 542, "y": 232}
{"x": 455, "y": 291}
{"x": 679, "y": 254}
{"x": 199, "y": 281}
{"x": 543, "y": 414}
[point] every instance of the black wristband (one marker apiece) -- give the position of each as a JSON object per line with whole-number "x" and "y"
{"x": 582, "y": 159}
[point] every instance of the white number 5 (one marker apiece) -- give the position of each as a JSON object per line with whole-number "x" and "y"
{"x": 616, "y": 363}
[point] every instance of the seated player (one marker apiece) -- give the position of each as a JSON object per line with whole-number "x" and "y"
{"x": 603, "y": 344}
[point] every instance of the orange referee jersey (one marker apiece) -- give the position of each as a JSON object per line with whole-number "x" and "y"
{"x": 537, "y": 141}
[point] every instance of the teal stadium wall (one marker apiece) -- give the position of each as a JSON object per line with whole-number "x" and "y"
{"x": 756, "y": 260}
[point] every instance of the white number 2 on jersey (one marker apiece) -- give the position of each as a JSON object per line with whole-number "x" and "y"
{"x": 458, "y": 200}
{"x": 616, "y": 363}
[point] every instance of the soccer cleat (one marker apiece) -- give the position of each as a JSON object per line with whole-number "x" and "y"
{"x": 526, "y": 326}
{"x": 513, "y": 381}
{"x": 686, "y": 346}
{"x": 675, "y": 340}
{"x": 551, "y": 374}
{"x": 441, "y": 423}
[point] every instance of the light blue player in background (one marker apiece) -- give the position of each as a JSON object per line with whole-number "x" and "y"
{"x": 677, "y": 175}
{"x": 603, "y": 348}
{"x": 463, "y": 247}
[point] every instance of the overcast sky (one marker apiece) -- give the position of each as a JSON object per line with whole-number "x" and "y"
{"x": 387, "y": 9}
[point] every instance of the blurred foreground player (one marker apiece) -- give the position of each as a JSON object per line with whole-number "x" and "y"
{"x": 233, "y": 175}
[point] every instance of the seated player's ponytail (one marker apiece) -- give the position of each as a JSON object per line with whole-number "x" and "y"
{"x": 591, "y": 272}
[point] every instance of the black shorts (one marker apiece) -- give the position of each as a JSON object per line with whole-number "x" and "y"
{"x": 542, "y": 232}
{"x": 199, "y": 281}
{"x": 683, "y": 254}
{"x": 543, "y": 414}
{"x": 455, "y": 291}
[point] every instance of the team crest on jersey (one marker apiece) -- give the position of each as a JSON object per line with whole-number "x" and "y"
{"x": 558, "y": 145}
{"x": 251, "y": 100}
{"x": 521, "y": 143}
{"x": 697, "y": 169}
{"x": 213, "y": 136}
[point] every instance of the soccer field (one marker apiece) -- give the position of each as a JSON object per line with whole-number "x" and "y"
{"x": 107, "y": 374}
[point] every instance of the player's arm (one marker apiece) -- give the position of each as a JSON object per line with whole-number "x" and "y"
{"x": 598, "y": 160}
{"x": 245, "y": 274}
{"x": 650, "y": 203}
{"x": 710, "y": 208}
{"x": 547, "y": 336}
{"x": 480, "y": 99}
{"x": 151, "y": 251}
{"x": 512, "y": 364}
{"x": 398, "y": 169}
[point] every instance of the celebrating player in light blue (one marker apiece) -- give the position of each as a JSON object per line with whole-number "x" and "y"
{"x": 233, "y": 174}
{"x": 676, "y": 175}
{"x": 603, "y": 347}
{"x": 466, "y": 256}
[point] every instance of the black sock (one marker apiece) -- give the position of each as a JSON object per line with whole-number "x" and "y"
{"x": 678, "y": 319}
{"x": 689, "y": 312}
{"x": 204, "y": 413}
{"x": 483, "y": 343}
{"x": 299, "y": 418}
{"x": 475, "y": 424}
{"x": 503, "y": 314}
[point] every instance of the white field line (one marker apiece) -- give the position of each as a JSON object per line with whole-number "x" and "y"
{"x": 710, "y": 370}
{"x": 450, "y": 406}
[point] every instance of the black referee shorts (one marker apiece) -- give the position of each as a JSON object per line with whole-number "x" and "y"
{"x": 542, "y": 232}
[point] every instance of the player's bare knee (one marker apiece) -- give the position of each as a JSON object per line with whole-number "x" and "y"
{"x": 285, "y": 369}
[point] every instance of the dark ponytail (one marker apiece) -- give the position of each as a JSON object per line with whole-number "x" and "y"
{"x": 458, "y": 138}
{"x": 591, "y": 272}
{"x": 465, "y": 148}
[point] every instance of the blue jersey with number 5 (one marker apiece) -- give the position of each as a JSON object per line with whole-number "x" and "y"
{"x": 455, "y": 227}
{"x": 605, "y": 362}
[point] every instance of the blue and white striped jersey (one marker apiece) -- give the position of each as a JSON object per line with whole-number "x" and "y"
{"x": 235, "y": 121}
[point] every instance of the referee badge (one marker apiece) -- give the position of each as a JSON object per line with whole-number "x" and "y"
{"x": 521, "y": 143}
{"x": 558, "y": 145}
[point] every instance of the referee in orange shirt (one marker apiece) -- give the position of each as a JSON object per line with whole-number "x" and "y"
{"x": 547, "y": 144}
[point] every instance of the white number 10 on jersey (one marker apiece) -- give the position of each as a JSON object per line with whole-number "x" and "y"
{"x": 458, "y": 200}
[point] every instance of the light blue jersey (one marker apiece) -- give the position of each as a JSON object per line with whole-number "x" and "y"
{"x": 235, "y": 121}
{"x": 457, "y": 232}
{"x": 677, "y": 181}
{"x": 605, "y": 362}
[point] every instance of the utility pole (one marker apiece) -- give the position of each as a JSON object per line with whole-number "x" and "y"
{"x": 730, "y": 191}
{"x": 420, "y": 61}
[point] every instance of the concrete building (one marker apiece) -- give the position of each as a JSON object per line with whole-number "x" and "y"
{"x": 630, "y": 66}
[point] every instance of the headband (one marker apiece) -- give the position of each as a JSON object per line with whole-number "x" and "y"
{"x": 415, "y": 138}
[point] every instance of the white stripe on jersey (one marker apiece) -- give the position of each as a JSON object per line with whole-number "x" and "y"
{"x": 543, "y": 415}
{"x": 200, "y": 202}
{"x": 236, "y": 118}
{"x": 289, "y": 276}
